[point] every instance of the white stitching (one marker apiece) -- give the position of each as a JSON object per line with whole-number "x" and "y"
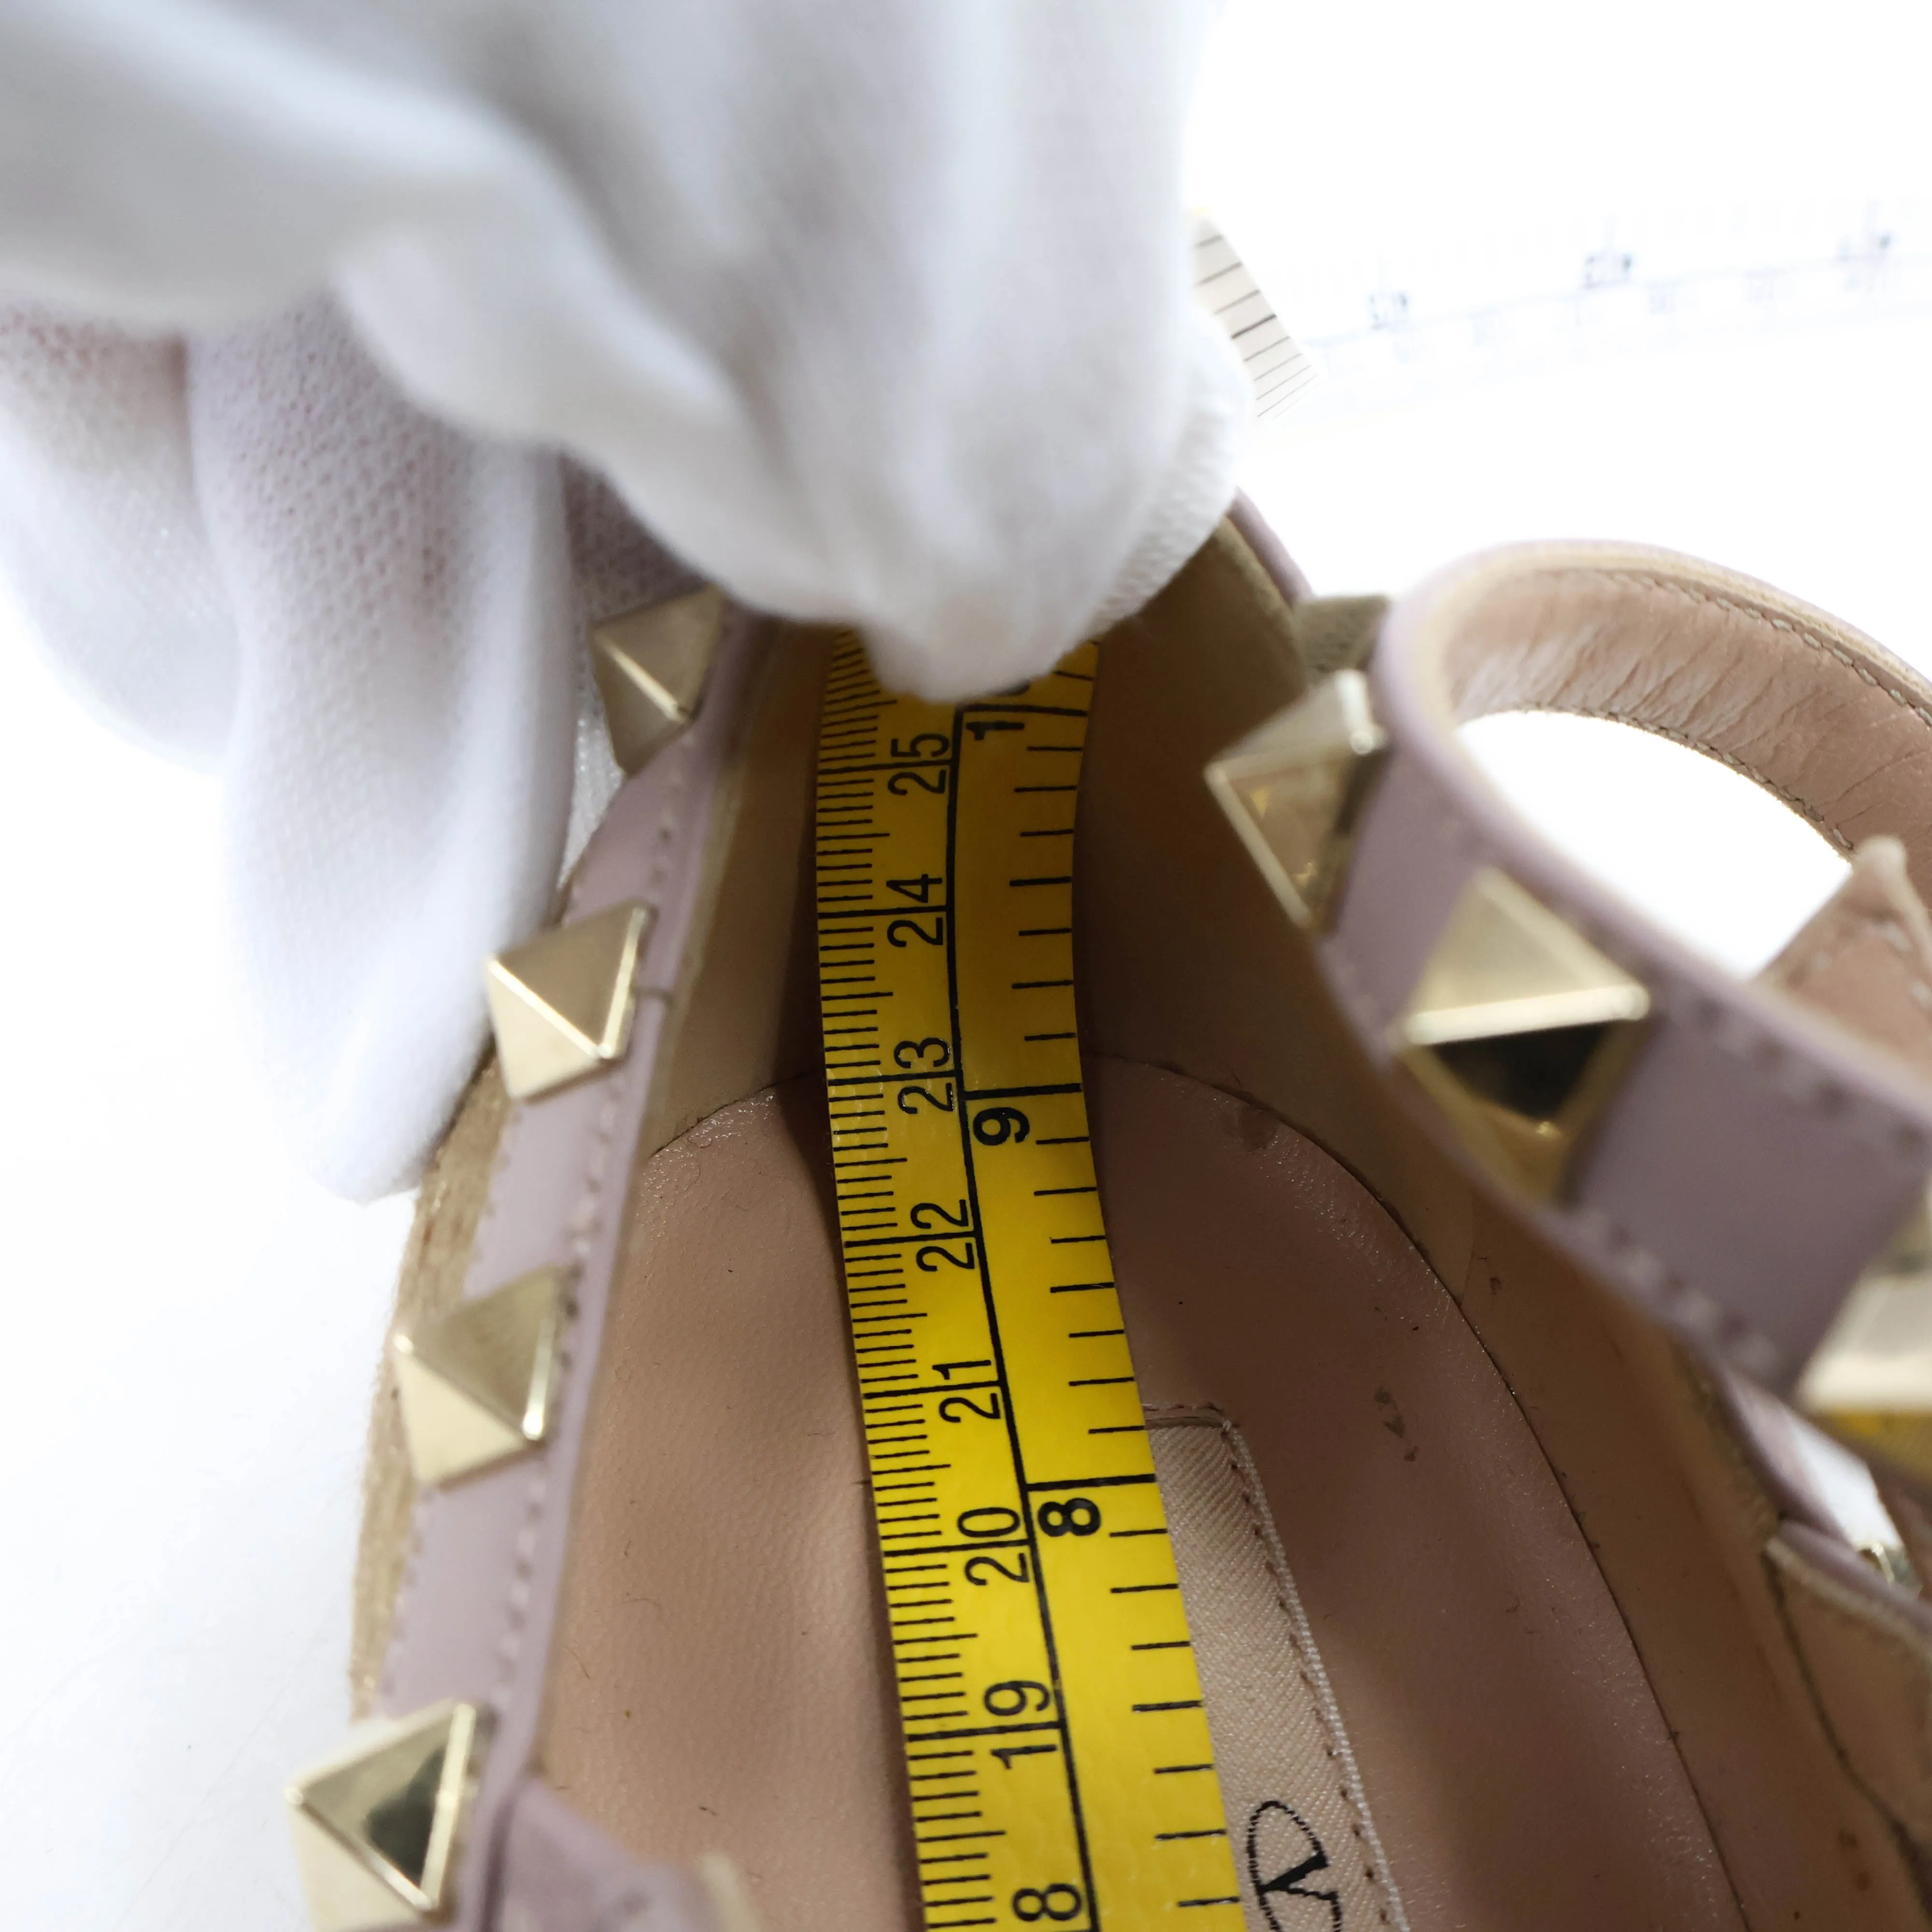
{"x": 1648, "y": 1277}
{"x": 1857, "y": 925}
{"x": 426, "y": 1493}
{"x": 1816, "y": 639}
{"x": 1778, "y": 1066}
{"x": 582, "y": 1226}
{"x": 584, "y": 1220}
{"x": 1773, "y": 1064}
{"x": 517, "y": 1598}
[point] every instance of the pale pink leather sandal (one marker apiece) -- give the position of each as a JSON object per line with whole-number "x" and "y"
{"x": 1444, "y": 1225}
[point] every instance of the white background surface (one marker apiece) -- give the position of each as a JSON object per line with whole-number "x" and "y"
{"x": 191, "y": 1329}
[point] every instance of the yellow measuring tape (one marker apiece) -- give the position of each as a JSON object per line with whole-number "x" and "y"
{"x": 1056, "y": 1745}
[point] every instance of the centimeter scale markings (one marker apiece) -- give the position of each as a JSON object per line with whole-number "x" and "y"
{"x": 1056, "y": 1746}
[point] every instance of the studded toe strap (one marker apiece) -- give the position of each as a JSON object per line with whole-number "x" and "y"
{"x": 433, "y": 1813}
{"x": 1714, "y": 1147}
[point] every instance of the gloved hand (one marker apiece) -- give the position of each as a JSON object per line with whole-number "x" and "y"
{"x": 872, "y": 312}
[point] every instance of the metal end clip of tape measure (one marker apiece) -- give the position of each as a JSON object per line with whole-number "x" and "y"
{"x": 1057, "y": 1749}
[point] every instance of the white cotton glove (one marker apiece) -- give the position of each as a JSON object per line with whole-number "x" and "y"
{"x": 874, "y": 313}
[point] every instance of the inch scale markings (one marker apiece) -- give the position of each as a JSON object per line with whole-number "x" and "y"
{"x": 1057, "y": 1750}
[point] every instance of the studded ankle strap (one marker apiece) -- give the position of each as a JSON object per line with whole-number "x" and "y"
{"x": 1713, "y": 1146}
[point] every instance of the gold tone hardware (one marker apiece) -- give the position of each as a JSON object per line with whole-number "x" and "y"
{"x": 377, "y": 1825}
{"x": 1870, "y": 1381}
{"x": 1892, "y": 1562}
{"x": 561, "y": 1004}
{"x": 651, "y": 665}
{"x": 1519, "y": 1030}
{"x": 1332, "y": 634}
{"x": 1294, "y": 789}
{"x": 479, "y": 1384}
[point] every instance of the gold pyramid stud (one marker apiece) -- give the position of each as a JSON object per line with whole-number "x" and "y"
{"x": 561, "y": 1004}
{"x": 1519, "y": 1030}
{"x": 479, "y": 1384}
{"x": 650, "y": 666}
{"x": 1869, "y": 1382}
{"x": 1332, "y": 634}
{"x": 1294, "y": 789}
{"x": 377, "y": 1826}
